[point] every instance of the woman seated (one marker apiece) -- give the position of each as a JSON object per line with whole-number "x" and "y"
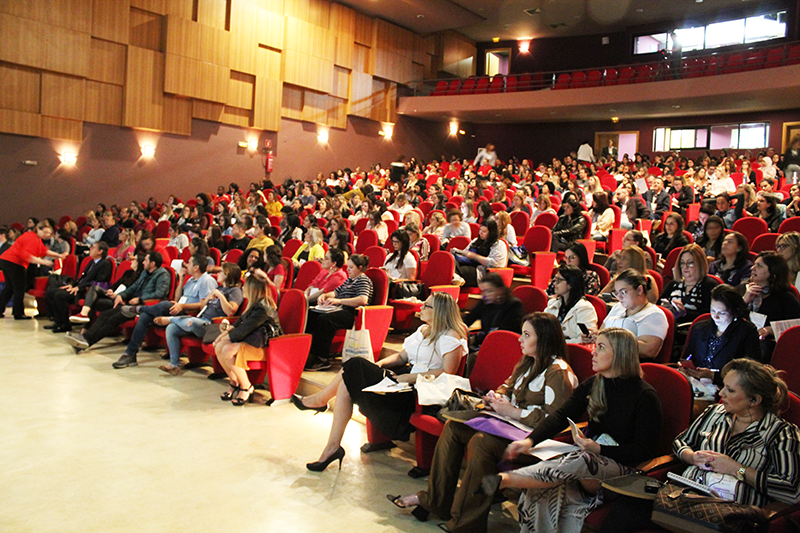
{"x": 483, "y": 253}
{"x": 570, "y": 226}
{"x": 769, "y": 298}
{"x": 127, "y": 245}
{"x": 356, "y": 291}
{"x": 538, "y": 386}
{"x": 276, "y": 271}
{"x": 339, "y": 240}
{"x": 633, "y": 257}
{"x": 401, "y": 265}
{"x": 498, "y": 309}
{"x": 631, "y": 238}
{"x": 543, "y": 205}
{"x": 329, "y": 278}
{"x": 214, "y": 239}
{"x": 741, "y": 437}
{"x": 416, "y": 242}
{"x": 577, "y": 256}
{"x": 273, "y": 204}
{"x": 518, "y": 203}
{"x": 788, "y": 247}
{"x": 436, "y": 347}
{"x": 733, "y": 266}
{"x": 569, "y": 305}
{"x": 436, "y": 226}
{"x": 223, "y": 302}
{"x": 245, "y": 339}
{"x": 728, "y": 335}
{"x": 768, "y": 211}
{"x": 377, "y": 224}
{"x": 672, "y": 237}
{"x": 310, "y": 250}
{"x": 250, "y": 261}
{"x": 711, "y": 239}
{"x": 291, "y": 227}
{"x": 689, "y": 294}
{"x": 455, "y": 227}
{"x": 602, "y": 216}
{"x": 636, "y": 314}
{"x": 624, "y": 424}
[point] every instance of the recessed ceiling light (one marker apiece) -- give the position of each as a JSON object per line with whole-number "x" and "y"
{"x": 420, "y": 16}
{"x": 676, "y": 106}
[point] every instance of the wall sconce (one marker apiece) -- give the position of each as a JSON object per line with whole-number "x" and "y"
{"x": 148, "y": 150}
{"x": 387, "y": 130}
{"x": 614, "y": 119}
{"x": 322, "y": 135}
{"x": 453, "y": 128}
{"x": 69, "y": 158}
{"x": 524, "y": 47}
{"x": 251, "y": 145}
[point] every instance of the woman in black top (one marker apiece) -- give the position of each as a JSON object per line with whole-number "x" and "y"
{"x": 689, "y": 294}
{"x": 768, "y": 211}
{"x": 570, "y": 226}
{"x": 682, "y": 195}
{"x": 734, "y": 265}
{"x": 711, "y": 239}
{"x": 624, "y": 426}
{"x": 768, "y": 296}
{"x": 672, "y": 237}
{"x": 728, "y": 335}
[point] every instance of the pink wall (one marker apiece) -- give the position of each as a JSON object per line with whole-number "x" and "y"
{"x": 110, "y": 168}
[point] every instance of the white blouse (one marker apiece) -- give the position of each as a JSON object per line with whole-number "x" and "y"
{"x": 424, "y": 356}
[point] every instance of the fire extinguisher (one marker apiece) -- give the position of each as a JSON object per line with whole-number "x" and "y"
{"x": 270, "y": 159}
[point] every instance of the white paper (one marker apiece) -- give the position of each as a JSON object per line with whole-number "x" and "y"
{"x": 780, "y": 326}
{"x": 547, "y": 449}
{"x": 120, "y": 289}
{"x": 326, "y": 308}
{"x": 722, "y": 484}
{"x": 386, "y": 386}
{"x": 641, "y": 186}
{"x": 706, "y": 391}
{"x": 758, "y": 319}
{"x": 182, "y": 300}
{"x": 176, "y": 264}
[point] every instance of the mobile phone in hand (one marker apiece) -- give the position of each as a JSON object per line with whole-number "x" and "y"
{"x": 583, "y": 329}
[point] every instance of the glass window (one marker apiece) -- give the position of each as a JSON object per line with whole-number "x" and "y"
{"x": 647, "y": 44}
{"x": 753, "y": 135}
{"x": 765, "y": 27}
{"x": 659, "y": 139}
{"x": 691, "y": 38}
{"x": 725, "y": 33}
{"x": 724, "y": 136}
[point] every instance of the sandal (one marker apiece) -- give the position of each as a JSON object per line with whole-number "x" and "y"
{"x": 248, "y": 399}
{"x": 418, "y": 512}
{"x": 231, "y": 394}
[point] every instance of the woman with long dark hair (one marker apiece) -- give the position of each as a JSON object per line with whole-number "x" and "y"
{"x": 570, "y": 225}
{"x": 733, "y": 266}
{"x": 570, "y": 306}
{"x": 483, "y": 253}
{"x": 401, "y": 265}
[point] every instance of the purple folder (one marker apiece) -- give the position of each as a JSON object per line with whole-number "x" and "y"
{"x": 496, "y": 427}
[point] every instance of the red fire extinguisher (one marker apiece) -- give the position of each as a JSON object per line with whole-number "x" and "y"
{"x": 270, "y": 159}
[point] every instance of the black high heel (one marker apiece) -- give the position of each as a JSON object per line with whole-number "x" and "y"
{"x": 242, "y": 401}
{"x": 298, "y": 402}
{"x": 319, "y": 466}
{"x": 230, "y": 395}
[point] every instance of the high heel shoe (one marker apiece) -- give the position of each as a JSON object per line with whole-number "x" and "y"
{"x": 242, "y": 401}
{"x": 298, "y": 402}
{"x": 230, "y": 395}
{"x": 319, "y": 466}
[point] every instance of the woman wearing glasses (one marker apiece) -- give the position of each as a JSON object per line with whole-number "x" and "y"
{"x": 689, "y": 294}
{"x": 788, "y": 247}
{"x": 636, "y": 314}
{"x": 569, "y": 305}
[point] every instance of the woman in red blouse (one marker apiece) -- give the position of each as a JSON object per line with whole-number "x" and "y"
{"x": 27, "y": 249}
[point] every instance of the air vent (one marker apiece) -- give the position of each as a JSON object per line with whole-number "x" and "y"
{"x": 533, "y": 11}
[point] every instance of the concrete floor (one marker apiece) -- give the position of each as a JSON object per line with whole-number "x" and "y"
{"x": 87, "y": 448}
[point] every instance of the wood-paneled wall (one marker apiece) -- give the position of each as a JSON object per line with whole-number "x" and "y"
{"x": 158, "y": 64}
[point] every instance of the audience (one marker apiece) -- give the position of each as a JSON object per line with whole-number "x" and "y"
{"x": 498, "y": 309}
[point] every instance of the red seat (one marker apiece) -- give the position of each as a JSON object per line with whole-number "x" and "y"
{"x": 497, "y": 357}
{"x": 751, "y": 227}
{"x": 644, "y": 74}
{"x": 521, "y": 221}
{"x": 469, "y": 86}
{"x": 377, "y": 315}
{"x": 669, "y": 263}
{"x": 547, "y": 220}
{"x": 308, "y": 271}
{"x": 460, "y": 242}
{"x": 366, "y": 238}
{"x": 452, "y": 89}
{"x": 602, "y": 273}
{"x": 525, "y": 83}
{"x": 580, "y": 360}
{"x": 711, "y": 66}
{"x": 433, "y": 241}
{"x": 790, "y": 224}
{"x": 482, "y": 85}
{"x": 626, "y": 75}
{"x": 594, "y": 78}
{"x": 692, "y": 67}
{"x": 733, "y": 63}
{"x": 511, "y": 84}
{"x": 764, "y": 242}
{"x": 162, "y": 230}
{"x": 233, "y": 256}
{"x": 537, "y": 239}
{"x": 497, "y": 84}
{"x": 600, "y": 307}
{"x": 533, "y": 298}
{"x": 784, "y": 357}
{"x": 377, "y": 255}
{"x": 441, "y": 87}
{"x": 291, "y": 247}
{"x": 610, "y": 77}
{"x": 755, "y": 61}
{"x": 563, "y": 81}
{"x": 665, "y": 353}
{"x": 578, "y": 80}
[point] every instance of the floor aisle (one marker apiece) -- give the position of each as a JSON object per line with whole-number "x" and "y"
{"x": 86, "y": 448}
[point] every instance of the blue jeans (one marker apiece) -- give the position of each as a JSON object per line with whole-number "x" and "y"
{"x": 146, "y": 317}
{"x": 180, "y": 327}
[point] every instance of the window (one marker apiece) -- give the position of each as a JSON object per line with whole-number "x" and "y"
{"x": 666, "y": 139}
{"x": 718, "y": 34}
{"x": 747, "y": 136}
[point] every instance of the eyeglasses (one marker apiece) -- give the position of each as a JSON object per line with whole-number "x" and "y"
{"x": 558, "y": 279}
{"x": 687, "y": 264}
{"x": 781, "y": 247}
{"x": 620, "y": 293}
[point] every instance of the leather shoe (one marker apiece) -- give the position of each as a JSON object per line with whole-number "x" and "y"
{"x": 61, "y": 328}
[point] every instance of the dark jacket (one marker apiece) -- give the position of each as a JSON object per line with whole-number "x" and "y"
{"x": 111, "y": 236}
{"x": 636, "y": 209}
{"x": 739, "y": 340}
{"x": 149, "y": 286}
{"x": 96, "y": 272}
{"x": 506, "y": 316}
{"x": 247, "y": 328}
{"x": 569, "y": 229}
{"x": 662, "y": 201}
{"x": 663, "y": 245}
{"x": 732, "y": 276}
{"x": 685, "y": 197}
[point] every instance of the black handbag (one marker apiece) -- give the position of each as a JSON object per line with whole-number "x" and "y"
{"x": 684, "y": 511}
{"x": 408, "y": 289}
{"x": 460, "y": 400}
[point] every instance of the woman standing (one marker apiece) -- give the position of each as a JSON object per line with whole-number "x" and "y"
{"x": 27, "y": 248}
{"x": 538, "y": 386}
{"x": 436, "y": 347}
{"x": 624, "y": 424}
{"x": 734, "y": 265}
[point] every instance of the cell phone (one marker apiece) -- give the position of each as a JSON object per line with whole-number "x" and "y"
{"x": 651, "y": 486}
{"x": 687, "y": 363}
{"x": 583, "y": 329}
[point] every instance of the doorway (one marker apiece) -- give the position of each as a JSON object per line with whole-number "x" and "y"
{"x": 497, "y": 61}
{"x": 624, "y": 142}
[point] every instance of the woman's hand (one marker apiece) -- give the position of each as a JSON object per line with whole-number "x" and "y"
{"x": 502, "y": 406}
{"x": 517, "y": 447}
{"x": 753, "y": 290}
{"x": 591, "y": 338}
{"x": 698, "y": 373}
{"x": 586, "y": 444}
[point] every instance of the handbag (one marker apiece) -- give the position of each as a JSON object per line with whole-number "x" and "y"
{"x": 437, "y": 391}
{"x": 408, "y": 289}
{"x": 519, "y": 256}
{"x": 357, "y": 343}
{"x": 684, "y": 511}
{"x": 460, "y": 400}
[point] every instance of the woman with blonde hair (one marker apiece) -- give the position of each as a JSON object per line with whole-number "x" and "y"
{"x": 624, "y": 415}
{"x": 417, "y": 242}
{"x": 505, "y": 229}
{"x": 543, "y": 205}
{"x": 688, "y": 295}
{"x": 311, "y": 249}
{"x": 245, "y": 339}
{"x": 635, "y": 258}
{"x": 436, "y": 347}
{"x": 591, "y": 188}
{"x": 788, "y": 247}
{"x": 436, "y": 225}
{"x": 127, "y": 244}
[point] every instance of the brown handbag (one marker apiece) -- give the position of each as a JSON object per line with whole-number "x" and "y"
{"x": 684, "y": 511}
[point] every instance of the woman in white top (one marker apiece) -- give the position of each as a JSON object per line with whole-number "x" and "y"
{"x": 505, "y": 229}
{"x": 602, "y": 216}
{"x": 591, "y": 188}
{"x": 376, "y": 223}
{"x": 570, "y": 306}
{"x": 636, "y": 314}
{"x": 543, "y": 205}
{"x": 401, "y": 265}
{"x": 436, "y": 347}
{"x": 483, "y": 253}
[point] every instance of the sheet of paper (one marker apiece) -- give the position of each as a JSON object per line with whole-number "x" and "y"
{"x": 515, "y": 423}
{"x": 758, "y": 319}
{"x": 326, "y": 308}
{"x": 780, "y": 326}
{"x": 547, "y": 449}
{"x": 176, "y": 264}
{"x": 120, "y": 289}
{"x": 387, "y": 386}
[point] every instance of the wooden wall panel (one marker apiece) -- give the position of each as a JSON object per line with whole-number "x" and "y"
{"x": 63, "y": 96}
{"x": 270, "y": 29}
{"x": 420, "y": 52}
{"x": 73, "y": 14}
{"x": 183, "y": 37}
{"x": 214, "y": 45}
{"x": 299, "y": 9}
{"x": 20, "y": 122}
{"x": 29, "y": 9}
{"x": 20, "y": 88}
{"x": 177, "y": 115}
{"x": 273, "y": 6}
{"x": 268, "y": 63}
{"x": 418, "y": 71}
{"x": 315, "y": 107}
{"x": 192, "y": 78}
{"x": 146, "y": 30}
{"x": 212, "y": 13}
{"x": 307, "y": 71}
{"x": 61, "y": 128}
{"x": 458, "y": 55}
{"x": 159, "y": 7}
{"x": 103, "y": 103}
{"x": 337, "y": 113}
{"x": 110, "y": 20}
{"x": 68, "y": 51}
{"x": 393, "y": 67}
{"x": 207, "y": 110}
{"x": 267, "y": 108}
{"x": 319, "y": 12}
{"x": 360, "y": 94}
{"x": 144, "y": 89}
{"x": 241, "y": 90}
{"x": 379, "y": 96}
{"x": 363, "y": 29}
{"x": 391, "y": 101}
{"x": 237, "y": 117}
{"x": 310, "y": 39}
{"x": 292, "y": 102}
{"x": 362, "y": 59}
{"x": 107, "y": 62}
{"x": 243, "y": 40}
{"x": 179, "y": 8}
{"x": 341, "y": 83}
{"x": 23, "y": 41}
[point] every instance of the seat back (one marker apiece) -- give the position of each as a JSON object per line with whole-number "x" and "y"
{"x": 784, "y": 357}
{"x": 790, "y": 224}
{"x": 361, "y": 225}
{"x": 441, "y": 266}
{"x": 84, "y": 264}
{"x": 380, "y": 285}
{"x": 172, "y": 252}
{"x": 675, "y": 392}
{"x": 162, "y": 230}
{"x": 377, "y": 255}
{"x": 602, "y": 273}
{"x": 69, "y": 266}
{"x": 216, "y": 256}
{"x": 600, "y": 307}
{"x": 460, "y": 242}
{"x": 533, "y": 299}
{"x": 751, "y": 227}
{"x": 537, "y": 239}
{"x": 233, "y": 256}
{"x": 764, "y": 242}
{"x": 308, "y": 271}
{"x": 291, "y": 247}
{"x": 547, "y": 220}
{"x": 580, "y": 360}
{"x": 121, "y": 269}
{"x": 669, "y": 263}
{"x": 434, "y": 242}
{"x": 293, "y": 311}
{"x": 498, "y": 355}
{"x": 367, "y": 238}
{"x": 665, "y": 353}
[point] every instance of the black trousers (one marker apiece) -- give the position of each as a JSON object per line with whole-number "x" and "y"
{"x": 323, "y": 327}
{"x": 106, "y": 324}
{"x": 16, "y": 286}
{"x": 58, "y": 302}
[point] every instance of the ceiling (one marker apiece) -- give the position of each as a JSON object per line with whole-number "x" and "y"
{"x": 483, "y": 20}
